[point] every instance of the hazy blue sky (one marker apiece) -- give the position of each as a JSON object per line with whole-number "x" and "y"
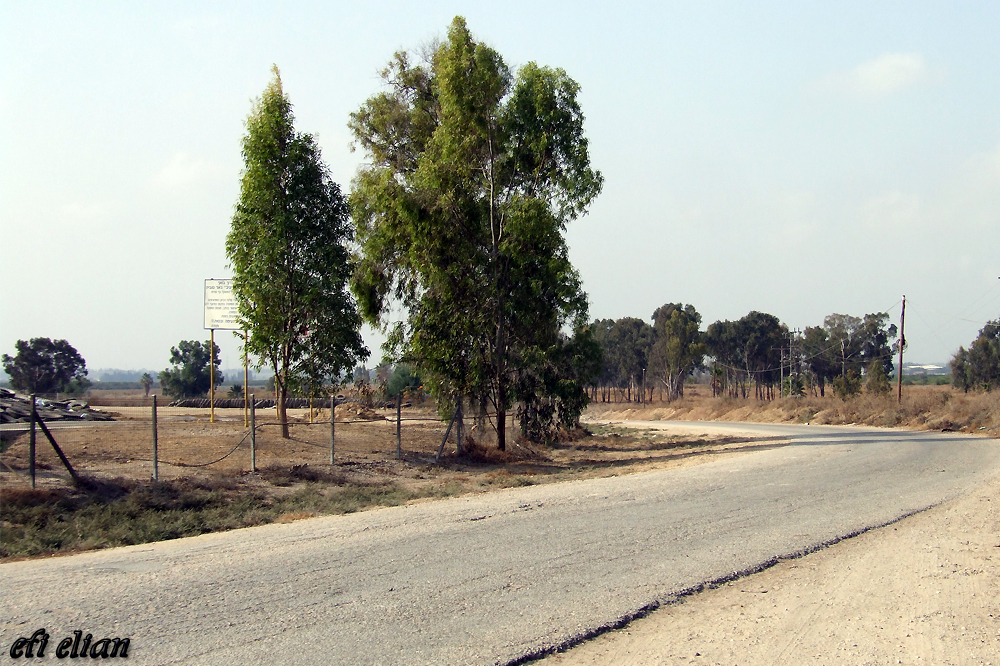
{"x": 798, "y": 158}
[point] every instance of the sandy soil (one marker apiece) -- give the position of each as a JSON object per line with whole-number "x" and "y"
{"x": 925, "y": 590}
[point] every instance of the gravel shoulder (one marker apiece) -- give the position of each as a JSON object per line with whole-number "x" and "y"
{"x": 925, "y": 590}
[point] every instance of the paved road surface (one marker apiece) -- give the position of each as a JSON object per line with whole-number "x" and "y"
{"x": 489, "y": 578}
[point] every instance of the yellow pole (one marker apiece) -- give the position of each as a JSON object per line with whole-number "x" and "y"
{"x": 211, "y": 379}
{"x": 246, "y": 382}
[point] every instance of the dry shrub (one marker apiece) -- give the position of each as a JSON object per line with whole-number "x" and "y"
{"x": 278, "y": 475}
{"x": 518, "y": 450}
{"x": 574, "y": 434}
{"x": 293, "y": 516}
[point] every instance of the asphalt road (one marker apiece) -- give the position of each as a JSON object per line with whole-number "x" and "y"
{"x": 494, "y": 577}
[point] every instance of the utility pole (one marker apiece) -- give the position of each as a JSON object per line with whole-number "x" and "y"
{"x": 781, "y": 364}
{"x": 902, "y": 343}
{"x": 793, "y": 365}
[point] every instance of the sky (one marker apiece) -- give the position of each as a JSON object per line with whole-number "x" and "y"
{"x": 795, "y": 158}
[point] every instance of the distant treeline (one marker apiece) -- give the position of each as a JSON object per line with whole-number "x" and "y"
{"x": 119, "y": 386}
{"x": 757, "y": 355}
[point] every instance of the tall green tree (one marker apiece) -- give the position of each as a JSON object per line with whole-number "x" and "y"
{"x": 472, "y": 175}
{"x": 843, "y": 333}
{"x": 191, "y": 372}
{"x": 728, "y": 374}
{"x": 762, "y": 336}
{"x": 628, "y": 345}
{"x": 749, "y": 352}
{"x": 877, "y": 345}
{"x": 978, "y": 367}
{"x": 818, "y": 355}
{"x": 678, "y": 347}
{"x": 43, "y": 365}
{"x": 604, "y": 380}
{"x": 851, "y": 344}
{"x": 287, "y": 248}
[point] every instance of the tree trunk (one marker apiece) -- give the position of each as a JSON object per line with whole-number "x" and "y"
{"x": 502, "y": 417}
{"x": 281, "y": 397}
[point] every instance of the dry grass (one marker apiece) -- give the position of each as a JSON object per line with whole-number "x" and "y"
{"x": 923, "y": 407}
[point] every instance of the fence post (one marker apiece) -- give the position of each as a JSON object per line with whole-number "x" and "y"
{"x": 253, "y": 433}
{"x": 156, "y": 453}
{"x": 333, "y": 424}
{"x": 399, "y": 434}
{"x": 31, "y": 442}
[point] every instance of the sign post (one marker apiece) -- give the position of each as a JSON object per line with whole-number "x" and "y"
{"x": 221, "y": 312}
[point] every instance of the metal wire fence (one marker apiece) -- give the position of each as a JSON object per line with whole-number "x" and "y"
{"x": 146, "y": 440}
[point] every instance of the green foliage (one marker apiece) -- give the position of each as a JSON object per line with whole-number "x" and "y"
{"x": 876, "y": 342}
{"x": 146, "y": 381}
{"x": 876, "y": 381}
{"x": 190, "y": 375}
{"x": 924, "y": 379}
{"x": 795, "y": 386}
{"x": 552, "y": 391}
{"x": 678, "y": 347}
{"x": 42, "y": 365}
{"x": 115, "y": 386}
{"x": 472, "y": 175}
{"x": 288, "y": 254}
{"x": 749, "y": 351}
{"x": 978, "y": 367}
{"x": 236, "y": 391}
{"x": 818, "y": 357}
{"x": 627, "y": 351}
{"x": 855, "y": 343}
{"x": 403, "y": 378}
{"x": 847, "y": 386}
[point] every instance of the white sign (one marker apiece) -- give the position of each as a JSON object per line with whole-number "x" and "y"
{"x": 221, "y": 312}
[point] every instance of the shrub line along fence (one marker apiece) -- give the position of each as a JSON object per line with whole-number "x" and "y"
{"x": 37, "y": 422}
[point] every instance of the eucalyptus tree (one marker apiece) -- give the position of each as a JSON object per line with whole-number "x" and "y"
{"x": 288, "y": 254}
{"x": 978, "y": 367}
{"x": 749, "y": 351}
{"x": 851, "y": 344}
{"x": 604, "y": 380}
{"x": 472, "y": 174}
{"x": 843, "y": 332}
{"x": 629, "y": 342}
{"x": 678, "y": 346}
{"x": 819, "y": 356}
{"x": 877, "y": 344}
{"x": 722, "y": 340}
{"x": 761, "y": 338}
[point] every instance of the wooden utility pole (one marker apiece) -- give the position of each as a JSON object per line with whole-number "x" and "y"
{"x": 902, "y": 343}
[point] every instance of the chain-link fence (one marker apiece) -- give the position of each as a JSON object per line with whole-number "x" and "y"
{"x": 140, "y": 438}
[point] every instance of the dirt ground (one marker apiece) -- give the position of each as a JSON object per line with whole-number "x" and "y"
{"x": 364, "y": 448}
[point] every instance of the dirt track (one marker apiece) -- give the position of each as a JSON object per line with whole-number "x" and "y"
{"x": 925, "y": 590}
